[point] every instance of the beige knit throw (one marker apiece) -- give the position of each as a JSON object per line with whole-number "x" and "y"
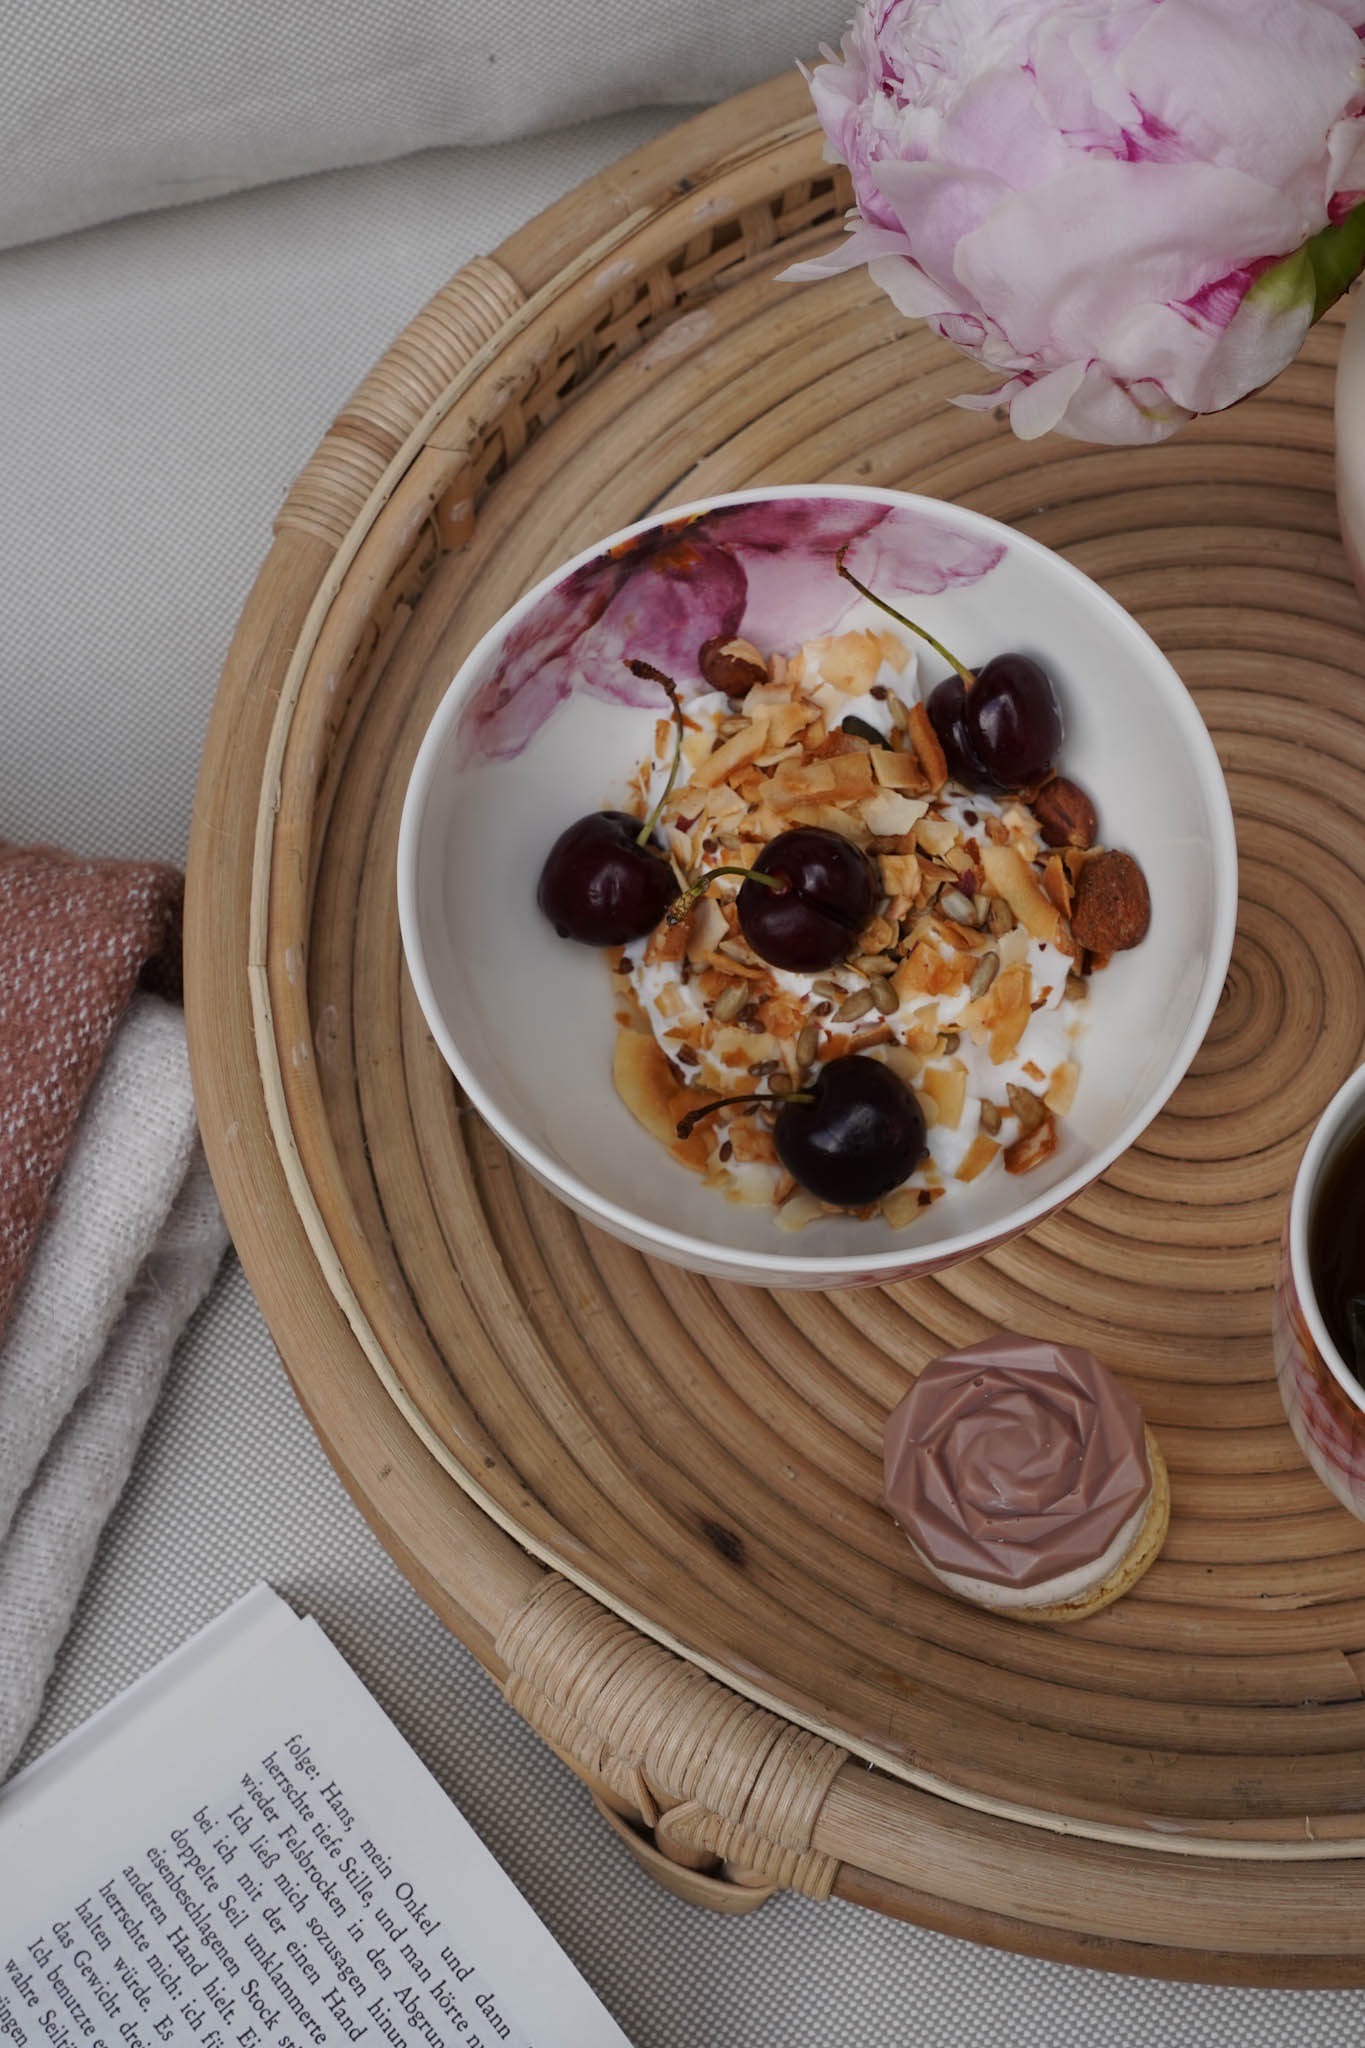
{"x": 109, "y": 1231}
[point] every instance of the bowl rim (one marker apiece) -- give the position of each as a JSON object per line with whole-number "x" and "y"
{"x": 900, "y": 1261}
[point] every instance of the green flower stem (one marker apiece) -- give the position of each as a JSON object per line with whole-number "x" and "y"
{"x": 1337, "y": 257}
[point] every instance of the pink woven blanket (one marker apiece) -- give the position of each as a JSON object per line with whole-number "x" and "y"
{"x": 77, "y": 937}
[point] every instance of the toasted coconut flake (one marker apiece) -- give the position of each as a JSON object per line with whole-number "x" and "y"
{"x": 1057, "y": 885}
{"x": 899, "y": 873}
{"x": 900, "y": 771}
{"x": 927, "y": 746}
{"x": 1032, "y": 1148}
{"x": 978, "y": 1157}
{"x": 736, "y": 752}
{"x": 935, "y": 836}
{"x": 847, "y": 661}
{"x": 927, "y": 972}
{"x": 890, "y": 816}
{"x": 667, "y": 941}
{"x": 905, "y": 1062}
{"x": 947, "y": 1086}
{"x": 1008, "y": 875}
{"x": 1005, "y": 1011}
{"x": 801, "y": 1209}
{"x": 901, "y": 1207}
{"x": 830, "y": 818}
{"x": 753, "y": 1141}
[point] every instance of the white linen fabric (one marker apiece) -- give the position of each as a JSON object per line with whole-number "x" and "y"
{"x": 109, "y": 107}
{"x": 127, "y": 1254}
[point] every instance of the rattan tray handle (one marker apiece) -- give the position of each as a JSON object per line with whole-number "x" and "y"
{"x": 327, "y": 496}
{"x": 711, "y": 1773}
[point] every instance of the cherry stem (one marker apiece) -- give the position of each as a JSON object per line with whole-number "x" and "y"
{"x": 647, "y": 673}
{"x": 686, "y": 1125}
{"x": 967, "y": 675}
{"x": 681, "y": 905}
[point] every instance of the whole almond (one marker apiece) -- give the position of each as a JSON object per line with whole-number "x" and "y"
{"x": 1065, "y": 814}
{"x": 731, "y": 664}
{"x": 1112, "y": 908}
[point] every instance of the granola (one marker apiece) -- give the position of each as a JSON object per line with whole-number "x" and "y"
{"x": 967, "y": 979}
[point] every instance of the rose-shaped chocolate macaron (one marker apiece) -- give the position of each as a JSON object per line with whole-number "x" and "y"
{"x": 1020, "y": 1469}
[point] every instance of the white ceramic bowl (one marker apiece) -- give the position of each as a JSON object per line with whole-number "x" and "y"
{"x": 525, "y": 1019}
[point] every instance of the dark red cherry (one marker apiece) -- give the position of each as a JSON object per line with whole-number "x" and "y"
{"x": 828, "y": 894}
{"x": 600, "y": 886}
{"x": 855, "y": 1134}
{"x": 1013, "y": 721}
{"x": 947, "y": 708}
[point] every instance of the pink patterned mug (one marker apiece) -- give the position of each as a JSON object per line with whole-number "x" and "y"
{"x": 1322, "y": 1397}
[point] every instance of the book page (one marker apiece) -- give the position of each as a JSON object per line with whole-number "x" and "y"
{"x": 256, "y": 1859}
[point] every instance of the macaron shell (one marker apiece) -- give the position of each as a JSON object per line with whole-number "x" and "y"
{"x": 1141, "y": 1553}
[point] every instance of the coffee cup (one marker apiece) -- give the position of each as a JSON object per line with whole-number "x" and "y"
{"x": 1322, "y": 1397}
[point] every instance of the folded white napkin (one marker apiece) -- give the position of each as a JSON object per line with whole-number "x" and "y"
{"x": 128, "y": 1251}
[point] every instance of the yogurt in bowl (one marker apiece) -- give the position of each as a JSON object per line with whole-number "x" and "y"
{"x": 545, "y": 722}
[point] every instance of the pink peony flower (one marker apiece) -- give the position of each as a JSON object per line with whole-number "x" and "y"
{"x": 1130, "y": 210}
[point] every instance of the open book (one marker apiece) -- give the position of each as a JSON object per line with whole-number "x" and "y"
{"x": 242, "y": 1852}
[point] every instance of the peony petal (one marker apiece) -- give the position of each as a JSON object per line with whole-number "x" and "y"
{"x": 1346, "y": 157}
{"x": 937, "y": 205}
{"x": 909, "y": 290}
{"x": 1059, "y": 267}
{"x": 1209, "y": 69}
{"x": 1043, "y": 401}
{"x": 1134, "y": 415}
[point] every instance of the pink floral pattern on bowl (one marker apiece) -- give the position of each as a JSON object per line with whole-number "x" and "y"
{"x": 764, "y": 569}
{"x": 1328, "y": 1427}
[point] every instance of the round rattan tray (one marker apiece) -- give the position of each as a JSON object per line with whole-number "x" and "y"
{"x": 648, "y": 1503}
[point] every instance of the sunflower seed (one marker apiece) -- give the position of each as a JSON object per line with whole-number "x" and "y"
{"x": 857, "y": 1005}
{"x": 983, "y": 974}
{"x": 990, "y": 1118}
{"x": 807, "y": 1045}
{"x": 885, "y": 998}
{"x": 957, "y": 906}
{"x": 730, "y": 1002}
